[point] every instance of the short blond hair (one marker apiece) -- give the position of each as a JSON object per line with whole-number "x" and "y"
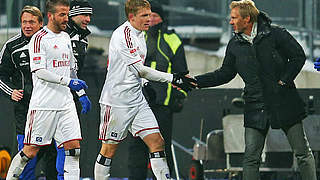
{"x": 246, "y": 8}
{"x": 133, "y": 6}
{"x": 32, "y": 10}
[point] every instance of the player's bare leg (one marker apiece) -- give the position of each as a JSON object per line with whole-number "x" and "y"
{"x": 72, "y": 159}
{"x": 20, "y": 160}
{"x": 104, "y": 159}
{"x": 157, "y": 156}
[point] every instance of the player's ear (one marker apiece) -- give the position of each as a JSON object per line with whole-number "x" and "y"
{"x": 130, "y": 16}
{"x": 49, "y": 15}
{"x": 247, "y": 19}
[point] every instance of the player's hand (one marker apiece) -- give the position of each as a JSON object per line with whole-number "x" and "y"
{"x": 85, "y": 103}
{"x": 184, "y": 81}
{"x": 317, "y": 64}
{"x": 17, "y": 95}
{"x": 77, "y": 84}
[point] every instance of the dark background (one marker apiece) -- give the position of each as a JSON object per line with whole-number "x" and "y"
{"x": 207, "y": 104}
{"x": 106, "y": 16}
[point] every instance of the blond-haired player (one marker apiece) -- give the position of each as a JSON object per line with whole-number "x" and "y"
{"x": 123, "y": 106}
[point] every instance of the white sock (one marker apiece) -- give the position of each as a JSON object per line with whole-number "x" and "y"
{"x": 160, "y": 168}
{"x": 102, "y": 168}
{"x": 17, "y": 165}
{"x": 71, "y": 165}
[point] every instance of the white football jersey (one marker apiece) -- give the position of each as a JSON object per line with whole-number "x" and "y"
{"x": 53, "y": 52}
{"x": 122, "y": 87}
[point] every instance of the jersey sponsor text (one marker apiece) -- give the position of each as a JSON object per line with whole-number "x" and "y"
{"x": 58, "y": 63}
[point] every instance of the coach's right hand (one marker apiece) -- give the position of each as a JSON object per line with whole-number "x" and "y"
{"x": 17, "y": 95}
{"x": 184, "y": 81}
{"x": 77, "y": 84}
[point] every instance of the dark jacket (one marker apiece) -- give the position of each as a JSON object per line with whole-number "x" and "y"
{"x": 274, "y": 55}
{"x": 15, "y": 74}
{"x": 165, "y": 53}
{"x": 79, "y": 43}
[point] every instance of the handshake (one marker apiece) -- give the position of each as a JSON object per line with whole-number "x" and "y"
{"x": 184, "y": 81}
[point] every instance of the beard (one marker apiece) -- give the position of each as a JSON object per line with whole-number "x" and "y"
{"x": 58, "y": 26}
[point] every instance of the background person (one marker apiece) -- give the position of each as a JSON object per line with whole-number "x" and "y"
{"x": 16, "y": 84}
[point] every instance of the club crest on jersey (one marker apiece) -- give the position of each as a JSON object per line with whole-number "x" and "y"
{"x": 75, "y": 82}
{"x": 39, "y": 139}
{"x": 114, "y": 134}
{"x": 36, "y": 60}
{"x": 55, "y": 47}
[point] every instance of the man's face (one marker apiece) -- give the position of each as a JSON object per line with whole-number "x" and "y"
{"x": 82, "y": 20}
{"x": 238, "y": 23}
{"x": 155, "y": 19}
{"x": 29, "y": 24}
{"x": 141, "y": 21}
{"x": 59, "y": 19}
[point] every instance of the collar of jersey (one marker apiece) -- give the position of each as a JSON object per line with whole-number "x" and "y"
{"x": 51, "y": 32}
{"x": 136, "y": 31}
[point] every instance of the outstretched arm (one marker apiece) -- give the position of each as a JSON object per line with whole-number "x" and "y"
{"x": 220, "y": 76}
{"x": 152, "y": 74}
{"x": 179, "y": 79}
